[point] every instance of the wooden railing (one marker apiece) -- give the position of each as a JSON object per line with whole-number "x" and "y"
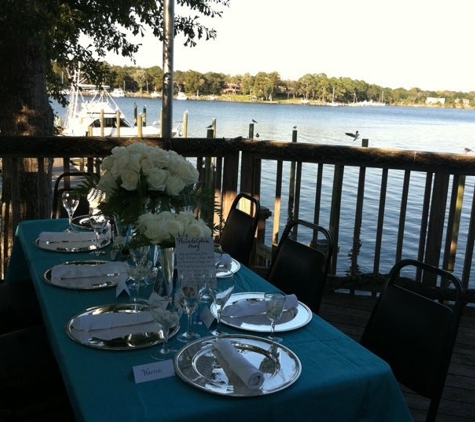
{"x": 380, "y": 205}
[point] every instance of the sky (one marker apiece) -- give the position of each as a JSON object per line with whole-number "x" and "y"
{"x": 427, "y": 44}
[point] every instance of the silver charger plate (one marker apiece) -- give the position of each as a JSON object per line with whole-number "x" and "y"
{"x": 103, "y": 282}
{"x": 197, "y": 365}
{"x": 128, "y": 342}
{"x": 81, "y": 222}
{"x": 235, "y": 267}
{"x": 69, "y": 247}
{"x": 291, "y": 319}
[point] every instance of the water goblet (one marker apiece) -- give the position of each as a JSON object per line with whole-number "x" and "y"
{"x": 98, "y": 222}
{"x": 189, "y": 299}
{"x": 274, "y": 307}
{"x": 137, "y": 274}
{"x": 221, "y": 293}
{"x": 167, "y": 317}
{"x": 70, "y": 204}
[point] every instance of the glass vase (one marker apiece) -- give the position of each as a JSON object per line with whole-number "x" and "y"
{"x": 167, "y": 264}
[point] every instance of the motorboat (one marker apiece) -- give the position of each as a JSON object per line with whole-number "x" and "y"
{"x": 181, "y": 96}
{"x": 118, "y": 93}
{"x": 98, "y": 116}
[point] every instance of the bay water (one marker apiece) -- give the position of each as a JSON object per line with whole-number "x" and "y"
{"x": 409, "y": 128}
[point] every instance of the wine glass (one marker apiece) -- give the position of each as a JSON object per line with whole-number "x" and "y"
{"x": 189, "y": 299}
{"x": 98, "y": 222}
{"x": 221, "y": 293}
{"x": 137, "y": 274}
{"x": 274, "y": 307}
{"x": 70, "y": 204}
{"x": 167, "y": 316}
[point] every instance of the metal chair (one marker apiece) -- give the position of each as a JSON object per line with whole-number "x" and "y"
{"x": 414, "y": 329}
{"x": 66, "y": 182}
{"x": 239, "y": 230}
{"x": 302, "y": 269}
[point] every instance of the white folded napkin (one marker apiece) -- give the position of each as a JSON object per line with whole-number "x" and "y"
{"x": 251, "y": 307}
{"x": 88, "y": 275}
{"x": 110, "y": 325}
{"x": 223, "y": 261}
{"x": 229, "y": 358}
{"x": 67, "y": 237}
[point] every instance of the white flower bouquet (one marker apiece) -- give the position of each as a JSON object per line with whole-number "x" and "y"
{"x": 142, "y": 177}
{"x": 161, "y": 229}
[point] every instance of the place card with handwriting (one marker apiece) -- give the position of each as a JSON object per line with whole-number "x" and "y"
{"x": 153, "y": 371}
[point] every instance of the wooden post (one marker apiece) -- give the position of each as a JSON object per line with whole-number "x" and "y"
{"x": 102, "y": 122}
{"x": 251, "y": 131}
{"x": 185, "y": 125}
{"x": 117, "y": 123}
{"x": 139, "y": 126}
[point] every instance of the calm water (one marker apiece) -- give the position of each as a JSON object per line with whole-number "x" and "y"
{"x": 424, "y": 129}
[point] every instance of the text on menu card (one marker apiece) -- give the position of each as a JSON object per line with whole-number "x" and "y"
{"x": 194, "y": 254}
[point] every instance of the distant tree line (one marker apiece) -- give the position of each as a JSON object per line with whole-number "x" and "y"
{"x": 264, "y": 86}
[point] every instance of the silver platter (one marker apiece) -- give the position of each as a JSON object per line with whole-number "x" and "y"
{"x": 235, "y": 267}
{"x": 102, "y": 282}
{"x": 127, "y": 342}
{"x": 290, "y": 320}
{"x": 81, "y": 222}
{"x": 70, "y": 247}
{"x": 197, "y": 365}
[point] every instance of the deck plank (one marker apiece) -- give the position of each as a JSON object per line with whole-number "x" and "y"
{"x": 349, "y": 313}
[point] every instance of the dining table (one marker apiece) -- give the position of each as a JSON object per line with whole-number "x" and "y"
{"x": 339, "y": 379}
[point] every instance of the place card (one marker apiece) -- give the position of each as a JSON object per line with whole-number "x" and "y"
{"x": 153, "y": 371}
{"x": 194, "y": 254}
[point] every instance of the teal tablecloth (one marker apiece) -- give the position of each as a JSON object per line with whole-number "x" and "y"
{"x": 340, "y": 380}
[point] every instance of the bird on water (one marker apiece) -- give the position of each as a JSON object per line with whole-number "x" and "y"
{"x": 353, "y": 135}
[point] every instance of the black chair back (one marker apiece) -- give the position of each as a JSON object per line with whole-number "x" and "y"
{"x": 300, "y": 269}
{"x": 414, "y": 333}
{"x": 239, "y": 230}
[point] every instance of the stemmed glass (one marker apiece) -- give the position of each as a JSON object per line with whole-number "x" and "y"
{"x": 189, "y": 299}
{"x": 70, "y": 204}
{"x": 167, "y": 316}
{"x": 274, "y": 307}
{"x": 221, "y": 293}
{"x": 98, "y": 222}
{"x": 138, "y": 268}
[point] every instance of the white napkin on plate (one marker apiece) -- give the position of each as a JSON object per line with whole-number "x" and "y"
{"x": 229, "y": 358}
{"x": 251, "y": 307}
{"x": 88, "y": 275}
{"x": 224, "y": 261}
{"x": 110, "y": 325}
{"x": 67, "y": 237}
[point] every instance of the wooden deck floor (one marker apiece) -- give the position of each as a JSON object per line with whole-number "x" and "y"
{"x": 350, "y": 314}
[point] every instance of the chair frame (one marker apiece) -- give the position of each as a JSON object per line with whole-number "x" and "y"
{"x": 230, "y": 234}
{"x": 288, "y": 235}
{"x": 438, "y": 321}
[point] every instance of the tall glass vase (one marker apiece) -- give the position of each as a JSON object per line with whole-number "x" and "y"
{"x": 167, "y": 264}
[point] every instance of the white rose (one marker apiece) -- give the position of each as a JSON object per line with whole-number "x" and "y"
{"x": 173, "y": 227}
{"x": 174, "y": 185}
{"x": 187, "y": 172}
{"x": 107, "y": 183}
{"x": 130, "y": 179}
{"x": 157, "y": 179}
{"x": 159, "y": 157}
{"x": 197, "y": 229}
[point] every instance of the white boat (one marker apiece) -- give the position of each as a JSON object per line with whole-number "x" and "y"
{"x": 181, "y": 96}
{"x": 84, "y": 117}
{"x": 118, "y": 93}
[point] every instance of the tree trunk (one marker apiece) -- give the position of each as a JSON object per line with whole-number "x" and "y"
{"x": 24, "y": 110}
